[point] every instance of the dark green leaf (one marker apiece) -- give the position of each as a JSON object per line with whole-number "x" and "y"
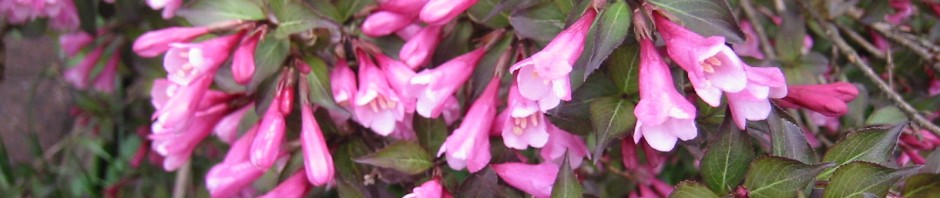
{"x": 691, "y": 189}
{"x": 788, "y": 139}
{"x": 487, "y": 65}
{"x": 404, "y": 156}
{"x": 319, "y": 83}
{"x": 886, "y": 115}
{"x": 872, "y": 144}
{"x": 269, "y": 57}
{"x": 611, "y": 117}
{"x": 706, "y": 17}
{"x": 607, "y": 33}
{"x": 204, "y": 13}
{"x": 574, "y": 116}
{"x": 540, "y": 23}
{"x": 292, "y": 17}
{"x": 725, "y": 163}
{"x": 431, "y": 132}
{"x": 343, "y": 159}
{"x": 566, "y": 184}
{"x": 454, "y": 45}
{"x": 327, "y": 9}
{"x": 779, "y": 177}
{"x": 484, "y": 183}
{"x": 789, "y": 39}
{"x": 922, "y": 185}
{"x": 859, "y": 178}
{"x": 350, "y": 189}
{"x": 623, "y": 66}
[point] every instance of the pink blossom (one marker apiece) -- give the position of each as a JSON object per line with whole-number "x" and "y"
{"x": 409, "y": 31}
{"x": 440, "y": 12}
{"x": 903, "y": 9}
{"x": 383, "y": 23}
{"x": 63, "y": 16}
{"x": 451, "y": 110}
{"x": 561, "y": 142}
{"x": 72, "y": 43}
{"x": 177, "y": 104}
{"x": 267, "y": 144}
{"x": 523, "y": 125}
{"x": 78, "y": 75}
{"x": 104, "y": 82}
{"x": 154, "y": 43}
{"x": 663, "y": 115}
{"x": 712, "y": 67}
{"x": 343, "y": 85}
{"x": 227, "y": 129}
{"x": 399, "y": 78}
{"x": 177, "y": 145}
{"x": 243, "y": 60}
{"x": 934, "y": 87}
{"x": 404, "y": 129}
{"x": 827, "y": 99}
{"x": 752, "y": 103}
{"x": 294, "y": 187}
{"x": 429, "y": 189}
{"x": 434, "y": 86}
{"x": 469, "y": 145}
{"x": 228, "y": 179}
{"x": 412, "y": 7}
{"x": 534, "y": 179}
{"x": 377, "y": 106}
{"x": 169, "y": 7}
{"x": 751, "y": 45}
{"x": 318, "y": 162}
{"x": 185, "y": 62}
{"x": 418, "y": 49}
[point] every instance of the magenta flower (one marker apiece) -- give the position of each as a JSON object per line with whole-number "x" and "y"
{"x": 434, "y": 86}
{"x": 177, "y": 104}
{"x": 561, "y": 142}
{"x": 177, "y": 145}
{"x": 72, "y": 43}
{"x": 419, "y": 48}
{"x": 523, "y": 125}
{"x": 752, "y": 103}
{"x": 543, "y": 77}
{"x": 377, "y": 106}
{"x": 104, "y": 82}
{"x": 440, "y": 12}
{"x": 534, "y": 179}
{"x": 267, "y": 144}
{"x": 185, "y": 62}
{"x": 751, "y": 45}
{"x": 228, "y": 179}
{"x": 469, "y": 145}
{"x": 243, "y": 60}
{"x": 827, "y": 99}
{"x": 295, "y": 186}
{"x": 318, "y": 162}
{"x": 712, "y": 67}
{"x": 409, "y": 31}
{"x": 227, "y": 129}
{"x": 343, "y": 85}
{"x": 169, "y": 7}
{"x": 154, "y": 43}
{"x": 412, "y": 7}
{"x": 399, "y": 79}
{"x": 903, "y": 9}
{"x": 663, "y": 115}
{"x": 429, "y": 189}
{"x": 78, "y": 75}
{"x": 383, "y": 23}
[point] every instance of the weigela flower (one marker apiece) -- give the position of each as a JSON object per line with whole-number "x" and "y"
{"x": 227, "y": 129}
{"x": 412, "y": 7}
{"x": 440, "y": 12}
{"x": 154, "y": 43}
{"x": 72, "y": 43}
{"x": 751, "y": 45}
{"x": 78, "y": 74}
{"x": 185, "y": 62}
{"x": 399, "y": 79}
{"x": 104, "y": 82}
{"x": 243, "y": 60}
{"x": 663, "y": 115}
{"x": 469, "y": 145}
{"x": 752, "y": 103}
{"x": 534, "y": 179}
{"x": 543, "y": 77}
{"x": 523, "y": 125}
{"x": 383, "y": 23}
{"x": 318, "y": 162}
{"x": 294, "y": 186}
{"x": 235, "y": 172}
{"x": 827, "y": 99}
{"x": 267, "y": 144}
{"x": 419, "y": 48}
{"x": 377, "y": 106}
{"x": 434, "y": 86}
{"x": 429, "y": 189}
{"x": 561, "y": 142}
{"x": 169, "y": 7}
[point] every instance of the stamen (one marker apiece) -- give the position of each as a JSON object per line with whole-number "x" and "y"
{"x": 708, "y": 68}
{"x": 713, "y": 61}
{"x": 517, "y": 130}
{"x": 515, "y": 121}
{"x": 523, "y": 123}
{"x": 535, "y": 120}
{"x": 383, "y": 103}
{"x": 374, "y": 107}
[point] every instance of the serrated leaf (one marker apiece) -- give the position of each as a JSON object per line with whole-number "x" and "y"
{"x": 611, "y": 117}
{"x": 789, "y": 39}
{"x": 706, "y": 17}
{"x": 788, "y": 139}
{"x": 691, "y": 189}
{"x": 292, "y": 17}
{"x": 204, "y": 13}
{"x": 540, "y": 23}
{"x": 872, "y": 144}
{"x": 922, "y": 185}
{"x": 431, "y": 132}
{"x": 404, "y": 156}
{"x": 574, "y": 116}
{"x": 269, "y": 57}
{"x": 779, "y": 177}
{"x": 607, "y": 33}
{"x": 319, "y": 83}
{"x": 623, "y": 67}
{"x": 566, "y": 184}
{"x": 725, "y": 163}
{"x": 859, "y": 178}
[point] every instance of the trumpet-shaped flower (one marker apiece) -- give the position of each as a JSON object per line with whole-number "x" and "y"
{"x": 429, "y": 189}
{"x": 154, "y": 43}
{"x": 663, "y": 115}
{"x": 294, "y": 187}
{"x": 243, "y": 60}
{"x": 469, "y": 145}
{"x": 827, "y": 99}
{"x": 752, "y": 103}
{"x": 185, "y": 62}
{"x": 377, "y": 106}
{"x": 534, "y": 179}
{"x": 419, "y": 48}
{"x": 440, "y": 12}
{"x": 434, "y": 86}
{"x": 523, "y": 125}
{"x": 383, "y": 23}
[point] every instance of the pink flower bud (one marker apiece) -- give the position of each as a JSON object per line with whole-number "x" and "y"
{"x": 377, "y": 106}
{"x": 227, "y": 129}
{"x": 169, "y": 7}
{"x": 184, "y": 62}
{"x": 827, "y": 99}
{"x": 78, "y": 75}
{"x": 343, "y": 83}
{"x": 561, "y": 142}
{"x": 295, "y": 186}
{"x": 409, "y": 31}
{"x": 434, "y": 86}
{"x": 317, "y": 158}
{"x": 418, "y": 50}
{"x": 903, "y": 9}
{"x": 383, "y": 23}
{"x": 243, "y": 61}
{"x": 228, "y": 179}
{"x": 533, "y": 179}
{"x": 628, "y": 151}
{"x": 412, "y": 7}
{"x": 440, "y": 12}
{"x": 429, "y": 189}
{"x": 751, "y": 45}
{"x": 523, "y": 125}
{"x": 267, "y": 144}
{"x": 239, "y": 150}
{"x": 104, "y": 82}
{"x": 72, "y": 43}
{"x": 469, "y": 145}
{"x": 154, "y": 43}
{"x": 663, "y": 115}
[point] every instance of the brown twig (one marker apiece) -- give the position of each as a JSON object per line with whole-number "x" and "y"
{"x": 859, "y": 39}
{"x": 758, "y": 28}
{"x": 182, "y": 180}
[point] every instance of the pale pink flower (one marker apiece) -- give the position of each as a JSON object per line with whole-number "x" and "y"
{"x": 534, "y": 179}
{"x": 752, "y": 103}
{"x": 104, "y": 82}
{"x": 154, "y": 43}
{"x": 169, "y": 7}
{"x": 543, "y": 77}
{"x": 469, "y": 145}
{"x": 712, "y": 67}
{"x": 561, "y": 142}
{"x": 440, "y": 12}
{"x": 227, "y": 129}
{"x": 434, "y": 86}
{"x": 343, "y": 85}
{"x": 177, "y": 145}
{"x": 318, "y": 162}
{"x": 78, "y": 74}
{"x": 419, "y": 48}
{"x": 177, "y": 104}
{"x": 185, "y": 62}
{"x": 663, "y": 115}
{"x": 523, "y": 125}
{"x": 429, "y": 189}
{"x": 377, "y": 106}
{"x": 399, "y": 79}
{"x": 294, "y": 186}
{"x": 72, "y": 43}
{"x": 243, "y": 60}
{"x": 383, "y": 23}
{"x": 751, "y": 45}
{"x": 827, "y": 99}
{"x": 267, "y": 144}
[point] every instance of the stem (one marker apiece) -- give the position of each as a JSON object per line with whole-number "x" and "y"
{"x": 182, "y": 180}
{"x": 758, "y": 28}
{"x": 874, "y": 51}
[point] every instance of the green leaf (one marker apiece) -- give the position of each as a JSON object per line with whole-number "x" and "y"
{"x": 788, "y": 139}
{"x": 321, "y": 93}
{"x": 347, "y": 8}
{"x": 487, "y": 65}
{"x": 269, "y": 57}
{"x": 789, "y": 39}
{"x": 204, "y": 13}
{"x": 566, "y": 184}
{"x": 574, "y": 116}
{"x": 454, "y": 45}
{"x": 343, "y": 159}
{"x": 933, "y": 163}
{"x": 691, "y": 189}
{"x": 491, "y": 13}
{"x": 922, "y": 185}
{"x": 725, "y": 163}
{"x": 857, "y": 179}
{"x": 431, "y": 132}
{"x": 771, "y": 176}
{"x": 872, "y": 144}
{"x": 623, "y": 67}
{"x": 292, "y": 17}
{"x": 327, "y": 9}
{"x": 540, "y": 23}
{"x": 404, "y": 156}
{"x": 611, "y": 117}
{"x": 350, "y": 189}
{"x": 607, "y": 34}
{"x": 886, "y": 115}
{"x": 706, "y": 17}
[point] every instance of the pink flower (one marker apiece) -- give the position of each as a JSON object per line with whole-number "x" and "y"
{"x": 377, "y": 106}
{"x": 343, "y": 85}
{"x": 267, "y": 144}
{"x": 663, "y": 115}
{"x": 440, "y": 12}
{"x": 402, "y": 6}
{"x": 712, "y": 67}
{"x": 295, "y": 186}
{"x": 318, "y": 162}
{"x": 751, "y": 45}
{"x": 543, "y": 77}
{"x": 78, "y": 75}
{"x": 399, "y": 79}
{"x": 104, "y": 82}
{"x": 185, "y": 62}
{"x": 63, "y": 16}
{"x": 227, "y": 129}
{"x": 177, "y": 145}
{"x": 72, "y": 43}
{"x": 523, "y": 124}
{"x": 469, "y": 145}
{"x": 243, "y": 61}
{"x": 169, "y": 6}
{"x": 228, "y": 179}
{"x": 903, "y": 9}
{"x": 409, "y": 31}
{"x": 177, "y": 104}
{"x": 429, "y": 189}
{"x": 561, "y": 142}
{"x": 418, "y": 50}
{"x": 752, "y": 103}
{"x": 383, "y": 23}
{"x": 154, "y": 43}
{"x": 827, "y": 99}
{"x": 533, "y": 179}
{"x": 434, "y": 86}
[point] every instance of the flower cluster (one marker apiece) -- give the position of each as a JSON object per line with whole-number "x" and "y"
{"x": 62, "y": 14}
